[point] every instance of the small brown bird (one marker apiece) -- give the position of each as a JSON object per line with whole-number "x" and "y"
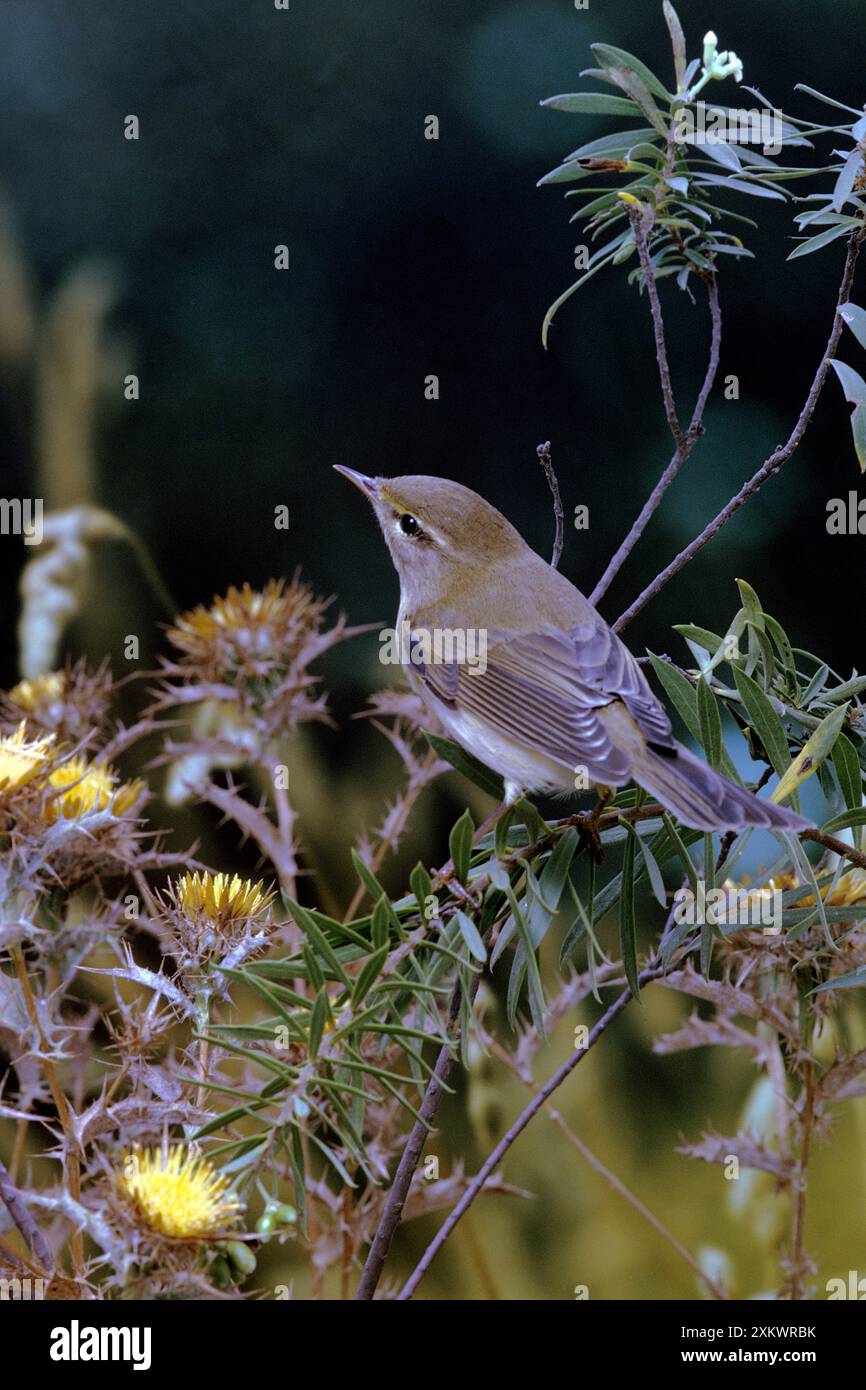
{"x": 551, "y": 698}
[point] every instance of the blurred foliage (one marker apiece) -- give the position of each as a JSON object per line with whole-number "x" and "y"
{"x": 411, "y": 257}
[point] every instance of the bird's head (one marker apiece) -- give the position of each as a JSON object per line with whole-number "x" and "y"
{"x": 441, "y": 535}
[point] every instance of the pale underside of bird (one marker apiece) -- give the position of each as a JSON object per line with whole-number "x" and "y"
{"x": 553, "y": 710}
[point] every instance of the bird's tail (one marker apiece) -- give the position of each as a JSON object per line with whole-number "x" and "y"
{"x": 702, "y": 798}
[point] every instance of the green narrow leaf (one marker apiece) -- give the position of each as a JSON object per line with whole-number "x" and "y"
{"x": 316, "y": 938}
{"x": 685, "y": 858}
{"x": 852, "y": 382}
{"x": 639, "y": 93}
{"x": 812, "y": 754}
{"x": 470, "y": 767}
{"x": 460, "y": 846}
{"x": 751, "y": 603}
{"x": 592, "y": 104}
{"x": 683, "y": 697}
{"x": 853, "y": 979}
{"x": 295, "y": 1151}
{"x": 421, "y": 884}
{"x": 500, "y": 833}
{"x": 318, "y": 1019}
{"x": 611, "y": 57}
{"x": 678, "y": 43}
{"x": 847, "y": 766}
{"x": 844, "y": 185}
{"x": 765, "y": 720}
{"x": 368, "y": 975}
{"x": 815, "y": 243}
{"x": 471, "y": 936}
{"x": 681, "y": 694}
{"x": 654, "y": 873}
{"x": 855, "y": 317}
{"x": 711, "y": 724}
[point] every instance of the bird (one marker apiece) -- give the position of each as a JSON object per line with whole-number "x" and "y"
{"x": 558, "y": 700}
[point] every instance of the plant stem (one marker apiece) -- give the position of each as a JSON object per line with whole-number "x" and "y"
{"x": 61, "y": 1105}
{"x": 33, "y": 1237}
{"x": 543, "y": 452}
{"x": 681, "y": 453}
{"x": 775, "y": 460}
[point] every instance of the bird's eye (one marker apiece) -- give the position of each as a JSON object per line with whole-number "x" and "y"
{"x": 408, "y": 525}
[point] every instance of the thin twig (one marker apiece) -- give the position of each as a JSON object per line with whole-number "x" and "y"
{"x": 715, "y": 1290}
{"x": 399, "y": 1190}
{"x": 543, "y": 452}
{"x": 776, "y": 459}
{"x": 641, "y": 219}
{"x": 33, "y": 1237}
{"x": 682, "y": 452}
{"x": 839, "y": 847}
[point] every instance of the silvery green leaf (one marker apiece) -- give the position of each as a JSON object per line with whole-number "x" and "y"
{"x": 592, "y": 104}
{"x": 855, "y": 317}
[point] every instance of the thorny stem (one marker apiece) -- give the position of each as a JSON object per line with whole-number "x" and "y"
{"x": 33, "y": 1237}
{"x": 418, "y": 780}
{"x": 798, "y": 1257}
{"x": 286, "y": 816}
{"x": 775, "y": 460}
{"x": 73, "y": 1172}
{"x": 682, "y": 452}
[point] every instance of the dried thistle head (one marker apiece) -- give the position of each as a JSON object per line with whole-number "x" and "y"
{"x": 243, "y": 665}
{"x": 249, "y": 635}
{"x": 72, "y": 703}
{"x": 139, "y": 1027}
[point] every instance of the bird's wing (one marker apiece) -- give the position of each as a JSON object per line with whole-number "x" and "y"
{"x": 546, "y": 689}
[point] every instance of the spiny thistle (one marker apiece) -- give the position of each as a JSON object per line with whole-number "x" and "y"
{"x": 249, "y": 634}
{"x": 72, "y": 703}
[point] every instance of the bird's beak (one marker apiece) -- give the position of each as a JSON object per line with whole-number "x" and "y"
{"x": 367, "y": 485}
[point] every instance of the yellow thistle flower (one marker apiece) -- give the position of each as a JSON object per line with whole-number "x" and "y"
{"x": 81, "y": 788}
{"x": 220, "y": 897}
{"x": 178, "y": 1193}
{"x": 40, "y": 691}
{"x": 848, "y": 890}
{"x": 22, "y": 759}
